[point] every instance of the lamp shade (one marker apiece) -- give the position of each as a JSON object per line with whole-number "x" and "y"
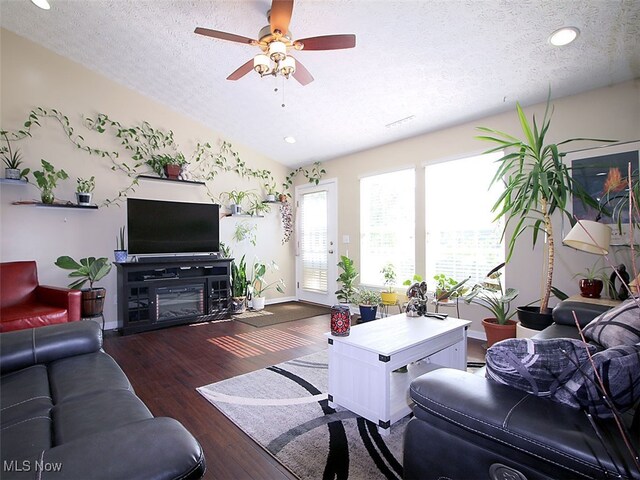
{"x": 589, "y": 236}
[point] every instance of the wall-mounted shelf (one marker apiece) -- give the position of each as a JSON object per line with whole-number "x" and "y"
{"x": 162, "y": 179}
{"x": 56, "y": 205}
{"x": 244, "y": 215}
{"x": 11, "y": 181}
{"x": 273, "y": 201}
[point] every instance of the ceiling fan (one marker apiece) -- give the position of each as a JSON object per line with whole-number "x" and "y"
{"x": 275, "y": 41}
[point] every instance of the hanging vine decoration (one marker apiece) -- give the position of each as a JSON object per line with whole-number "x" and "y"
{"x": 144, "y": 142}
{"x": 286, "y": 216}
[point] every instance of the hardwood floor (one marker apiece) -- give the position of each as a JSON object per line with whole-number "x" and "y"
{"x": 166, "y": 366}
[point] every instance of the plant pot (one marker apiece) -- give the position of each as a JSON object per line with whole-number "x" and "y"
{"x": 172, "y": 171}
{"x": 590, "y": 288}
{"x": 47, "y": 196}
{"x": 530, "y": 317}
{"x": 257, "y": 303}
{"x": 340, "y": 320}
{"x": 389, "y": 298}
{"x": 496, "y": 332}
{"x": 12, "y": 173}
{"x": 368, "y": 312}
{"x": 282, "y": 197}
{"x": 120, "y": 256}
{"x": 83, "y": 198}
{"x": 271, "y": 197}
{"x": 238, "y": 304}
{"x": 93, "y": 302}
{"x": 235, "y": 209}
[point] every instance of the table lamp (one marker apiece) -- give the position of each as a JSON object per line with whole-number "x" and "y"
{"x": 589, "y": 236}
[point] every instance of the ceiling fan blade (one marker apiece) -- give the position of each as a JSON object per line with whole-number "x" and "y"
{"x": 241, "y": 71}
{"x": 280, "y": 15}
{"x": 301, "y": 74}
{"x": 328, "y": 42}
{"x": 224, "y": 35}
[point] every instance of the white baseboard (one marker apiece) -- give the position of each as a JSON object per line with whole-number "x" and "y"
{"x": 280, "y": 300}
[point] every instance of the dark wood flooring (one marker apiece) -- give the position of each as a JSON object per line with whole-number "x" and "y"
{"x": 166, "y": 366}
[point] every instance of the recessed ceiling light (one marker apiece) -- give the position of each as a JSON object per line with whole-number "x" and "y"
{"x": 289, "y": 139}
{"x": 43, "y": 4}
{"x": 563, "y": 36}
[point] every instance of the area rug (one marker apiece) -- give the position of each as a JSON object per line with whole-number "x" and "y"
{"x": 282, "y": 313}
{"x": 284, "y": 408}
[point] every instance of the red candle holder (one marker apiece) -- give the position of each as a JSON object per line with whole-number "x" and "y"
{"x": 340, "y": 320}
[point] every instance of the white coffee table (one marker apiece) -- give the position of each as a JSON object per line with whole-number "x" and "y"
{"x": 361, "y": 365}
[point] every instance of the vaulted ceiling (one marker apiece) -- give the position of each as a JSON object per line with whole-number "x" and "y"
{"x": 440, "y": 62}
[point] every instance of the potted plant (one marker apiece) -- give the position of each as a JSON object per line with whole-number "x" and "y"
{"x": 120, "y": 253}
{"x": 258, "y": 285}
{"x": 90, "y": 270}
{"x": 169, "y": 165}
{"x": 536, "y": 183}
{"x": 236, "y": 198}
{"x": 447, "y": 287}
{"x": 12, "y": 161}
{"x": 368, "y": 301}
{"x": 346, "y": 278}
{"x": 389, "y": 296}
{"x": 592, "y": 281}
{"x": 491, "y": 295}
{"x": 84, "y": 189}
{"x": 239, "y": 286}
{"x": 258, "y": 207}
{"x": 272, "y": 193}
{"x": 47, "y": 180}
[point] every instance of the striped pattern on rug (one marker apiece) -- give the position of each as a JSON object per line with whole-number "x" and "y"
{"x": 260, "y": 342}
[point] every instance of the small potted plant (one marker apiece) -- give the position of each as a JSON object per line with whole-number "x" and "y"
{"x": 368, "y": 301}
{"x": 12, "y": 161}
{"x": 258, "y": 284}
{"x": 168, "y": 165}
{"x": 491, "y": 295}
{"x": 84, "y": 190}
{"x": 447, "y": 287}
{"x": 236, "y": 198}
{"x": 239, "y": 286}
{"x": 85, "y": 270}
{"x": 258, "y": 207}
{"x": 120, "y": 253}
{"x": 346, "y": 278}
{"x": 389, "y": 296}
{"x": 592, "y": 281}
{"x": 272, "y": 193}
{"x": 47, "y": 180}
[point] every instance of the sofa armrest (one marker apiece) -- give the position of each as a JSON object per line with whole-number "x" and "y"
{"x": 158, "y": 448}
{"x": 63, "y": 298}
{"x": 23, "y": 348}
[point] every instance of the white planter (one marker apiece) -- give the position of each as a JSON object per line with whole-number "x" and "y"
{"x": 271, "y": 198}
{"x": 12, "y": 173}
{"x": 83, "y": 198}
{"x": 257, "y": 303}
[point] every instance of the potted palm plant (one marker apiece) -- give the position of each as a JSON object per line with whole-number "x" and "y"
{"x": 85, "y": 270}
{"x": 259, "y": 285}
{"x": 491, "y": 295}
{"x": 389, "y": 296}
{"x": 536, "y": 184}
{"x": 368, "y": 301}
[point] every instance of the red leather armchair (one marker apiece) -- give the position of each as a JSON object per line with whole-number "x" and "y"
{"x": 26, "y": 304}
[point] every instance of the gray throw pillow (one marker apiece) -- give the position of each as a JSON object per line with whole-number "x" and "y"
{"x": 618, "y": 326}
{"x": 619, "y": 369}
{"x": 538, "y": 367}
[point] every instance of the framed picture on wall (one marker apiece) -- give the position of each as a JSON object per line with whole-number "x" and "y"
{"x": 603, "y": 172}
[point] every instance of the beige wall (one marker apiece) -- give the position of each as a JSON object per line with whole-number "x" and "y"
{"x": 33, "y": 76}
{"x": 612, "y": 112}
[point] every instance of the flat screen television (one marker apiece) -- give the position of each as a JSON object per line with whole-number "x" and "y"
{"x": 158, "y": 227}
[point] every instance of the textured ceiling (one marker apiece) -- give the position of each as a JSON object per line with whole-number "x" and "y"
{"x": 444, "y": 62}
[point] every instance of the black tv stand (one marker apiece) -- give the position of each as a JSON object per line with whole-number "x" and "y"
{"x": 172, "y": 291}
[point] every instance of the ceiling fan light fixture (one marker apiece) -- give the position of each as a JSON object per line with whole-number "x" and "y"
{"x": 563, "y": 36}
{"x": 43, "y": 4}
{"x": 277, "y": 51}
{"x": 261, "y": 64}
{"x": 288, "y": 66}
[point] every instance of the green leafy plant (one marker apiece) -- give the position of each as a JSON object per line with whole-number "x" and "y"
{"x": 537, "y": 183}
{"x": 88, "y": 269}
{"x": 238, "y": 197}
{"x": 346, "y": 278}
{"x": 239, "y": 282}
{"x": 447, "y": 287}
{"x": 120, "y": 245}
{"x": 12, "y": 159}
{"x": 86, "y": 186}
{"x": 415, "y": 279}
{"x": 366, "y": 297}
{"x": 258, "y": 207}
{"x": 158, "y": 162}
{"x": 258, "y": 284}
{"x": 389, "y": 274}
{"x": 595, "y": 272}
{"x": 225, "y": 251}
{"x": 245, "y": 231}
{"x": 47, "y": 180}
{"x": 313, "y": 175}
{"x": 490, "y": 295}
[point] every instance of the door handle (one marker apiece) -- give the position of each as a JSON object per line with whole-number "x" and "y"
{"x": 330, "y": 251}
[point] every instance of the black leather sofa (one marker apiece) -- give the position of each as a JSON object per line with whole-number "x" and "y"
{"x": 468, "y": 427}
{"x": 69, "y": 412}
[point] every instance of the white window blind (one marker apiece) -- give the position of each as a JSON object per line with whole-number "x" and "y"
{"x": 387, "y": 225}
{"x": 462, "y": 239}
{"x": 313, "y": 241}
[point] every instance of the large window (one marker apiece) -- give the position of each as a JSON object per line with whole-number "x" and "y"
{"x": 462, "y": 239}
{"x": 387, "y": 225}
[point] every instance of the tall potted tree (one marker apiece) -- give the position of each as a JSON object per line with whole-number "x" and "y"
{"x": 536, "y": 184}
